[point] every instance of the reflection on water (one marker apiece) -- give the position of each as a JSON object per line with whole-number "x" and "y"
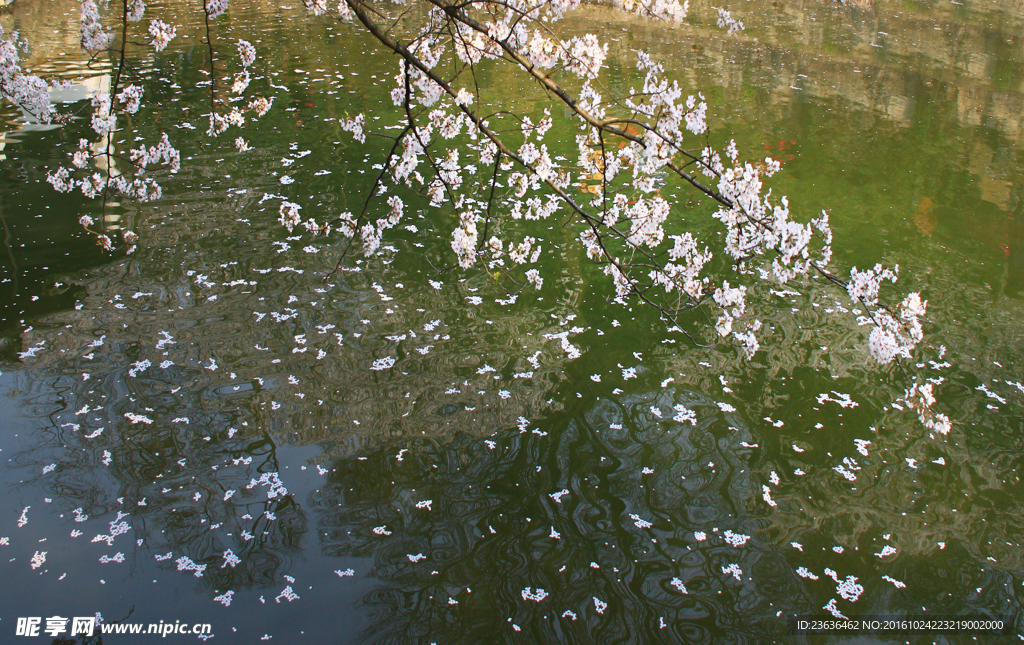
{"x": 212, "y": 397}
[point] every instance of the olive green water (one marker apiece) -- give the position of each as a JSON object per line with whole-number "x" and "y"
{"x": 905, "y": 120}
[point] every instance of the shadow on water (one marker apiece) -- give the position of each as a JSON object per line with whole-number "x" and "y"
{"x": 42, "y": 241}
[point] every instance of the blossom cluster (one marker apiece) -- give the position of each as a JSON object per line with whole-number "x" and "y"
{"x": 25, "y": 90}
{"x": 136, "y": 9}
{"x": 920, "y": 399}
{"x": 320, "y": 7}
{"x": 896, "y": 332}
{"x": 215, "y": 8}
{"x": 726, "y": 21}
{"x": 109, "y": 179}
{"x": 162, "y": 34}
{"x": 94, "y": 37}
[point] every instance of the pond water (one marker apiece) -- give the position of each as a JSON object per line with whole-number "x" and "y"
{"x": 214, "y": 392}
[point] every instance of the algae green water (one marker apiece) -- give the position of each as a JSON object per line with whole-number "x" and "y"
{"x": 213, "y": 392}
